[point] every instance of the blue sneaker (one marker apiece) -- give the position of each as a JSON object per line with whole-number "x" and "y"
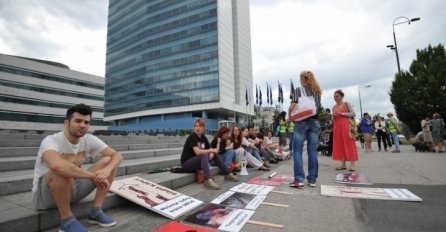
{"x": 73, "y": 225}
{"x": 102, "y": 219}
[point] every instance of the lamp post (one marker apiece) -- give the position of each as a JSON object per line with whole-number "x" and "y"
{"x": 359, "y": 93}
{"x": 394, "y": 46}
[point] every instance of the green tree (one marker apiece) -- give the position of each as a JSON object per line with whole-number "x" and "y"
{"x": 421, "y": 91}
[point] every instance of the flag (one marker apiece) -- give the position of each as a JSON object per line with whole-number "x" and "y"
{"x": 257, "y": 96}
{"x": 270, "y": 95}
{"x": 246, "y": 97}
{"x": 267, "y": 93}
{"x": 292, "y": 90}
{"x": 260, "y": 96}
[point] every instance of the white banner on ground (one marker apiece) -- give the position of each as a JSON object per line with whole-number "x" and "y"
{"x": 253, "y": 189}
{"x": 155, "y": 197}
{"x": 369, "y": 193}
{"x": 239, "y": 200}
{"x": 220, "y": 217}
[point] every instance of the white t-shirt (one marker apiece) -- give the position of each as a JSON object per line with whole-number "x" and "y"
{"x": 89, "y": 145}
{"x": 268, "y": 141}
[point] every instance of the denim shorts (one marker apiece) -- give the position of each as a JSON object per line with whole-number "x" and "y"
{"x": 43, "y": 198}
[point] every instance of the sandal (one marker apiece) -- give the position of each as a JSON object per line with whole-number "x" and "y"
{"x": 341, "y": 168}
{"x": 351, "y": 169}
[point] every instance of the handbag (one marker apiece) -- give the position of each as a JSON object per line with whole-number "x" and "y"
{"x": 306, "y": 107}
{"x": 353, "y": 130}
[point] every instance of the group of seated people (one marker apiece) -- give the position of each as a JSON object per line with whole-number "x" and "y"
{"x": 227, "y": 147}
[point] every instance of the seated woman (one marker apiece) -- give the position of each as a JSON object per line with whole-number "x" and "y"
{"x": 240, "y": 152}
{"x": 196, "y": 155}
{"x": 223, "y": 145}
{"x": 269, "y": 141}
{"x": 264, "y": 150}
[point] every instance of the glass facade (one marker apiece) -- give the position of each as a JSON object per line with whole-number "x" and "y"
{"x": 161, "y": 54}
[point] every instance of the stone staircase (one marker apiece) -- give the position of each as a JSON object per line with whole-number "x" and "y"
{"x": 18, "y": 151}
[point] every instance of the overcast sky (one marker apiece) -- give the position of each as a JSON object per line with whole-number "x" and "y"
{"x": 342, "y": 41}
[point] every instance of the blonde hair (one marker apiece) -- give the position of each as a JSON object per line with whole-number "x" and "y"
{"x": 307, "y": 78}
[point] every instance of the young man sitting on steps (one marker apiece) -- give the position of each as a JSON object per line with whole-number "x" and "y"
{"x": 59, "y": 179}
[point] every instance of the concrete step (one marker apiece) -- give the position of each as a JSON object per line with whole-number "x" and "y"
{"x": 12, "y": 182}
{"x": 36, "y": 143}
{"x": 27, "y": 162}
{"x": 17, "y": 213}
{"x": 32, "y": 151}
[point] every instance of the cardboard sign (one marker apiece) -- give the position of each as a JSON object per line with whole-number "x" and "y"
{"x": 180, "y": 227}
{"x": 253, "y": 189}
{"x": 155, "y": 197}
{"x": 239, "y": 200}
{"x": 352, "y": 178}
{"x": 220, "y": 217}
{"x": 369, "y": 193}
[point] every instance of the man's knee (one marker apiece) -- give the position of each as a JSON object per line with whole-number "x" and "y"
{"x": 53, "y": 181}
{"x": 101, "y": 163}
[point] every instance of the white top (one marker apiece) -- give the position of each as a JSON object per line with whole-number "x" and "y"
{"x": 89, "y": 145}
{"x": 268, "y": 141}
{"x": 380, "y": 126}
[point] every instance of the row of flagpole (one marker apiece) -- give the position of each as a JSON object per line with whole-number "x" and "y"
{"x": 269, "y": 96}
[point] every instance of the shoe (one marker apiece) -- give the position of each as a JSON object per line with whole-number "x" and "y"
{"x": 312, "y": 184}
{"x": 231, "y": 177}
{"x": 273, "y": 161}
{"x": 341, "y": 168}
{"x": 101, "y": 219}
{"x": 352, "y": 170}
{"x": 73, "y": 225}
{"x": 266, "y": 165}
{"x": 296, "y": 184}
{"x": 396, "y": 151}
{"x": 210, "y": 184}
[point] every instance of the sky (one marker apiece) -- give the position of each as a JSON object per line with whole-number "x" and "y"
{"x": 343, "y": 42}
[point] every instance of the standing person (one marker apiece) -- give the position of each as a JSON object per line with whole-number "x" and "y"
{"x": 282, "y": 131}
{"x": 329, "y": 126}
{"x": 426, "y": 128}
{"x": 393, "y": 128}
{"x": 224, "y": 145}
{"x": 380, "y": 130}
{"x": 438, "y": 131}
{"x": 197, "y": 153}
{"x": 366, "y": 131}
{"x": 307, "y": 129}
{"x": 344, "y": 147}
{"x": 59, "y": 179}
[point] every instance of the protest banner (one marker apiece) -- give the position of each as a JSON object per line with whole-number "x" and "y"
{"x": 239, "y": 200}
{"x": 369, "y": 193}
{"x": 220, "y": 217}
{"x": 352, "y": 178}
{"x": 155, "y": 197}
{"x": 253, "y": 189}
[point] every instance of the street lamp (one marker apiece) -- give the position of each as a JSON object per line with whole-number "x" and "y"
{"x": 394, "y": 46}
{"x": 359, "y": 92}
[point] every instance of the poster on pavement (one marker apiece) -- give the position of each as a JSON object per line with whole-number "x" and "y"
{"x": 175, "y": 226}
{"x": 220, "y": 217}
{"x": 259, "y": 181}
{"x": 239, "y": 200}
{"x": 155, "y": 197}
{"x": 253, "y": 189}
{"x": 352, "y": 178}
{"x": 369, "y": 193}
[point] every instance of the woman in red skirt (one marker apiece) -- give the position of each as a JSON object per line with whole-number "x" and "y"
{"x": 344, "y": 147}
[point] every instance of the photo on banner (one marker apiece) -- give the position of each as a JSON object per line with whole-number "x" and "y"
{"x": 259, "y": 181}
{"x": 239, "y": 200}
{"x": 174, "y": 226}
{"x": 155, "y": 197}
{"x": 220, "y": 217}
{"x": 369, "y": 193}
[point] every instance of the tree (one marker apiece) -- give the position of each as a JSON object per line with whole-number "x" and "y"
{"x": 421, "y": 91}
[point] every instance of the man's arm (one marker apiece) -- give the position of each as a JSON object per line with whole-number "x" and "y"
{"x": 116, "y": 160}
{"x": 63, "y": 167}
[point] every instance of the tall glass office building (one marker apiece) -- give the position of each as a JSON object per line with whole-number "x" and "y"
{"x": 172, "y": 61}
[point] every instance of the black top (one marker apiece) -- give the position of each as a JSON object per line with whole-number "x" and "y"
{"x": 193, "y": 141}
{"x": 222, "y": 149}
{"x": 317, "y": 99}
